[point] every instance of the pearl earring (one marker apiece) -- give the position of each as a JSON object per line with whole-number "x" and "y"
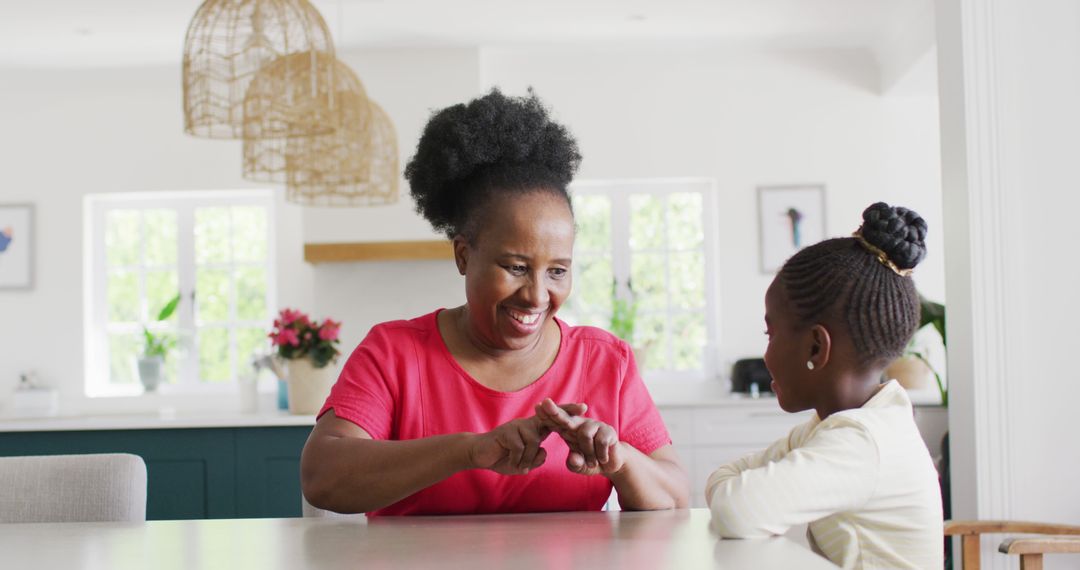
{"x": 809, "y": 364}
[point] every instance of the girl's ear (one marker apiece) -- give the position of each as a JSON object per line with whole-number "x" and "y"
{"x": 461, "y": 253}
{"x": 820, "y": 346}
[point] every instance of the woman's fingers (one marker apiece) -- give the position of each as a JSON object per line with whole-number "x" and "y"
{"x": 539, "y": 459}
{"x": 606, "y": 440}
{"x": 515, "y": 447}
{"x": 559, "y": 416}
{"x": 575, "y": 409}
{"x": 531, "y": 441}
{"x": 600, "y": 448}
{"x": 575, "y": 462}
{"x": 586, "y": 436}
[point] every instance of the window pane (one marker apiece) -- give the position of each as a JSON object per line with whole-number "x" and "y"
{"x": 593, "y": 216}
{"x": 214, "y": 362}
{"x": 123, "y": 350}
{"x": 160, "y": 237}
{"x": 161, "y": 287}
{"x": 688, "y": 340}
{"x": 688, "y": 280}
{"x": 171, "y": 370}
{"x": 684, "y": 221}
{"x": 249, "y": 233}
{"x": 249, "y": 342}
{"x": 212, "y": 235}
{"x": 122, "y": 237}
{"x": 647, "y": 277}
{"x": 649, "y": 340}
{"x": 251, "y": 293}
{"x": 124, "y": 298}
{"x": 212, "y": 295}
{"x": 592, "y": 285}
{"x": 599, "y": 320}
{"x": 646, "y": 222}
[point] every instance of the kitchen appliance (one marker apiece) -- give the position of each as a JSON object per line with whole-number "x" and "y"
{"x": 749, "y": 376}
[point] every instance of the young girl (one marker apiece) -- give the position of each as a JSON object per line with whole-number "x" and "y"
{"x": 858, "y": 472}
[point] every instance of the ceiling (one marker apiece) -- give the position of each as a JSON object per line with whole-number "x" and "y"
{"x": 76, "y": 33}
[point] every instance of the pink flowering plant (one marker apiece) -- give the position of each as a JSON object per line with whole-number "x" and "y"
{"x": 297, "y": 336}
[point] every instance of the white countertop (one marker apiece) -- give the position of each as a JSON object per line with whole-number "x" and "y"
{"x": 165, "y": 419}
{"x": 667, "y": 395}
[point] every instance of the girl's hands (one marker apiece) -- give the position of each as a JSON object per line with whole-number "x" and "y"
{"x": 513, "y": 448}
{"x": 594, "y": 445}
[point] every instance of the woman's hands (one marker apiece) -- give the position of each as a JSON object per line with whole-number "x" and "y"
{"x": 594, "y": 445}
{"x": 513, "y": 448}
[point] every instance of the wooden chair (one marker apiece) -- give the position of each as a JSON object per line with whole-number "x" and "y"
{"x": 1031, "y": 550}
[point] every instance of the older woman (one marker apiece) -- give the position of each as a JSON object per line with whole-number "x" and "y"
{"x": 451, "y": 412}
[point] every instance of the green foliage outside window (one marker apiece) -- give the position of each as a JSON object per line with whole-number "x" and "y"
{"x": 159, "y": 344}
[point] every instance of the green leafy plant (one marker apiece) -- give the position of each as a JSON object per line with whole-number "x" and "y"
{"x": 623, "y": 313}
{"x": 931, "y": 313}
{"x": 158, "y": 345}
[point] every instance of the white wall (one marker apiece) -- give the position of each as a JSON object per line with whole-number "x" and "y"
{"x": 1010, "y": 82}
{"x": 409, "y": 85}
{"x": 745, "y": 119}
{"x": 68, "y": 133}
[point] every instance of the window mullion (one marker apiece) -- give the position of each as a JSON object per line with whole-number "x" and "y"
{"x": 233, "y": 313}
{"x": 620, "y": 242}
{"x": 98, "y": 340}
{"x": 185, "y": 272}
{"x": 669, "y": 319}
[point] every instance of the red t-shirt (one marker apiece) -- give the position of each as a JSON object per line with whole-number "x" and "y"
{"x": 402, "y": 383}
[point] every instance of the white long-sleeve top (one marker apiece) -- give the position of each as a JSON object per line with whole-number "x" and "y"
{"x": 862, "y": 479}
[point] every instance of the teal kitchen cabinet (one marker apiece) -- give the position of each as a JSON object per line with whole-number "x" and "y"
{"x": 239, "y": 472}
{"x": 268, "y": 471}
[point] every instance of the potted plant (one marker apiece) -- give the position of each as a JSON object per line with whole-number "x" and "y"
{"x": 308, "y": 348}
{"x": 913, "y": 368}
{"x": 624, "y": 320}
{"x": 155, "y": 348}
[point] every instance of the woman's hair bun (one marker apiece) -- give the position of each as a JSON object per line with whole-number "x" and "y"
{"x": 899, "y": 232}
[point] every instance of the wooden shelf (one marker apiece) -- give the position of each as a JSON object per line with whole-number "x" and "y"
{"x": 377, "y": 251}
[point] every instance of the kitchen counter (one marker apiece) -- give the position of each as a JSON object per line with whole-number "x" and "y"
{"x": 164, "y": 419}
{"x": 667, "y": 395}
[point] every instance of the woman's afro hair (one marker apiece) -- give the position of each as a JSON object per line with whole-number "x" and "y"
{"x": 494, "y": 143}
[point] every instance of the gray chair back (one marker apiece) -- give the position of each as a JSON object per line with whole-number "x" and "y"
{"x": 73, "y": 488}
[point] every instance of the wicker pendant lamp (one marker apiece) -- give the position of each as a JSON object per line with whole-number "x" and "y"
{"x": 271, "y": 118}
{"x": 229, "y": 41}
{"x": 352, "y": 167}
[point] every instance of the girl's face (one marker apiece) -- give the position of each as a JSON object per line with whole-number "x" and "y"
{"x": 788, "y": 351}
{"x": 517, "y": 274}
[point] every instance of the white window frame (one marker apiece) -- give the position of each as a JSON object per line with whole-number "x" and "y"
{"x": 619, "y": 192}
{"x": 95, "y": 278}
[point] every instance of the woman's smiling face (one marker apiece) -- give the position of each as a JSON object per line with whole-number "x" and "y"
{"x": 517, "y": 271}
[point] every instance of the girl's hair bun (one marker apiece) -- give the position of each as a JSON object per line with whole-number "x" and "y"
{"x": 899, "y": 232}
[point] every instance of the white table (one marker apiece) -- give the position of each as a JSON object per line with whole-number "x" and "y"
{"x": 593, "y": 540}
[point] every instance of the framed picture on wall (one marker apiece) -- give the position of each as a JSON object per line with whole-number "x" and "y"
{"x": 789, "y": 219}
{"x": 16, "y": 246}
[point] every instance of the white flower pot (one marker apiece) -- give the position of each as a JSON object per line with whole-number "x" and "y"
{"x": 150, "y": 372}
{"x": 309, "y": 386}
